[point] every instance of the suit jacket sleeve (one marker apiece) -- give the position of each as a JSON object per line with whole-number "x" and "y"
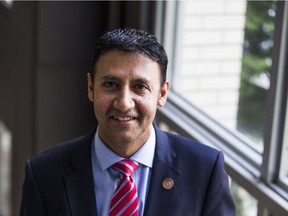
{"x": 219, "y": 201}
{"x": 31, "y": 204}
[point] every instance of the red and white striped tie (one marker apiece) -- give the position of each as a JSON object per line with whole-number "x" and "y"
{"x": 125, "y": 198}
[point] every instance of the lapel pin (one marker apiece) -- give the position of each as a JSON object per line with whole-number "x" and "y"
{"x": 168, "y": 183}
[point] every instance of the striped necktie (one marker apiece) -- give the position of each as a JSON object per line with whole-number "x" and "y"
{"x": 125, "y": 198}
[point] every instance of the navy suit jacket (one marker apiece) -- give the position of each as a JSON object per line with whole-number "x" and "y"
{"x": 59, "y": 181}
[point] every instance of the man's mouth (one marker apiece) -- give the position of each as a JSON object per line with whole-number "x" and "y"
{"x": 126, "y": 118}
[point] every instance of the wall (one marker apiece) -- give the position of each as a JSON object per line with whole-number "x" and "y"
{"x": 44, "y": 56}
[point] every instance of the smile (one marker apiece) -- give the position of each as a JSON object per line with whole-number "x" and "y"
{"x": 128, "y": 118}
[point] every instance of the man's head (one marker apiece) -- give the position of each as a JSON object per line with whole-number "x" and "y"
{"x": 131, "y": 41}
{"x": 127, "y": 85}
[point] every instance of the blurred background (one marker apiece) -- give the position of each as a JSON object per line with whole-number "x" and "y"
{"x": 227, "y": 67}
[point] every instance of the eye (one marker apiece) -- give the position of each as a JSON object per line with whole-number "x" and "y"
{"x": 141, "y": 87}
{"x": 110, "y": 85}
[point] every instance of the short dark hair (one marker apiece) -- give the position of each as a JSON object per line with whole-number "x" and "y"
{"x": 131, "y": 40}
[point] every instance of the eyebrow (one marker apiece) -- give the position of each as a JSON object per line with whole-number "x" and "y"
{"x": 142, "y": 80}
{"x": 110, "y": 78}
{"x": 113, "y": 78}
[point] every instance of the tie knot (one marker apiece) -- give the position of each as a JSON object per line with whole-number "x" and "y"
{"x": 126, "y": 167}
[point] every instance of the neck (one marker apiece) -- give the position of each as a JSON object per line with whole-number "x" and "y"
{"x": 126, "y": 148}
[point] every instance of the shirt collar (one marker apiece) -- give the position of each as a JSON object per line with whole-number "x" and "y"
{"x": 143, "y": 156}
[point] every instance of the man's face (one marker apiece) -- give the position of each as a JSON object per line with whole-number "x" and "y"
{"x": 126, "y": 92}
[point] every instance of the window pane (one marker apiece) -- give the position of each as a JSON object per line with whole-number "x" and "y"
{"x": 246, "y": 205}
{"x": 223, "y": 61}
{"x": 5, "y": 169}
{"x": 284, "y": 156}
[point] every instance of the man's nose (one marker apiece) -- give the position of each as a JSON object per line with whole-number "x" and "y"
{"x": 124, "y": 100}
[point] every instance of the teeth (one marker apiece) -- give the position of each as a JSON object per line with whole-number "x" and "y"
{"x": 123, "y": 118}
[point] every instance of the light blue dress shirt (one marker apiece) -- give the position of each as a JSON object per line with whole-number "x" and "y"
{"x": 106, "y": 177}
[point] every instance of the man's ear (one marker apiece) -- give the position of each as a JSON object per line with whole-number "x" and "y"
{"x": 163, "y": 94}
{"x": 90, "y": 87}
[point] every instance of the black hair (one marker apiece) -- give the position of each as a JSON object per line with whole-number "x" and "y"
{"x": 131, "y": 40}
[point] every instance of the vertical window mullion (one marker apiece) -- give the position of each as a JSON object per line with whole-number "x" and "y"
{"x": 275, "y": 107}
{"x": 169, "y": 34}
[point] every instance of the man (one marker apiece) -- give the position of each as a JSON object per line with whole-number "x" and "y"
{"x": 127, "y": 165}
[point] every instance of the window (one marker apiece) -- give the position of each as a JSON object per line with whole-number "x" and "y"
{"x": 284, "y": 153}
{"x": 229, "y": 78}
{"x": 7, "y": 3}
{"x": 244, "y": 200}
{"x": 223, "y": 61}
{"x": 5, "y": 169}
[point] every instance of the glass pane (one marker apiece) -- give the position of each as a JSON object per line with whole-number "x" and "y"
{"x": 284, "y": 156}
{"x": 246, "y": 205}
{"x": 223, "y": 61}
{"x": 5, "y": 169}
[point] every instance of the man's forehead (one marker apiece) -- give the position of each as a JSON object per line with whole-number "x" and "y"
{"x": 118, "y": 78}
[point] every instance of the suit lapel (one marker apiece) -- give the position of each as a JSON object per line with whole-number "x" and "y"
{"x": 160, "y": 200}
{"x": 79, "y": 183}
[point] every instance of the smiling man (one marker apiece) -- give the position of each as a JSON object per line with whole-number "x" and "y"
{"x": 127, "y": 165}
{"x": 126, "y": 90}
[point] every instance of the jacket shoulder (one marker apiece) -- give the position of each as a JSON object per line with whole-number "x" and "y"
{"x": 187, "y": 153}
{"x": 186, "y": 145}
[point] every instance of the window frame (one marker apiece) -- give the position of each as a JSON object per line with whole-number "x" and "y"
{"x": 258, "y": 174}
{"x": 277, "y": 101}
